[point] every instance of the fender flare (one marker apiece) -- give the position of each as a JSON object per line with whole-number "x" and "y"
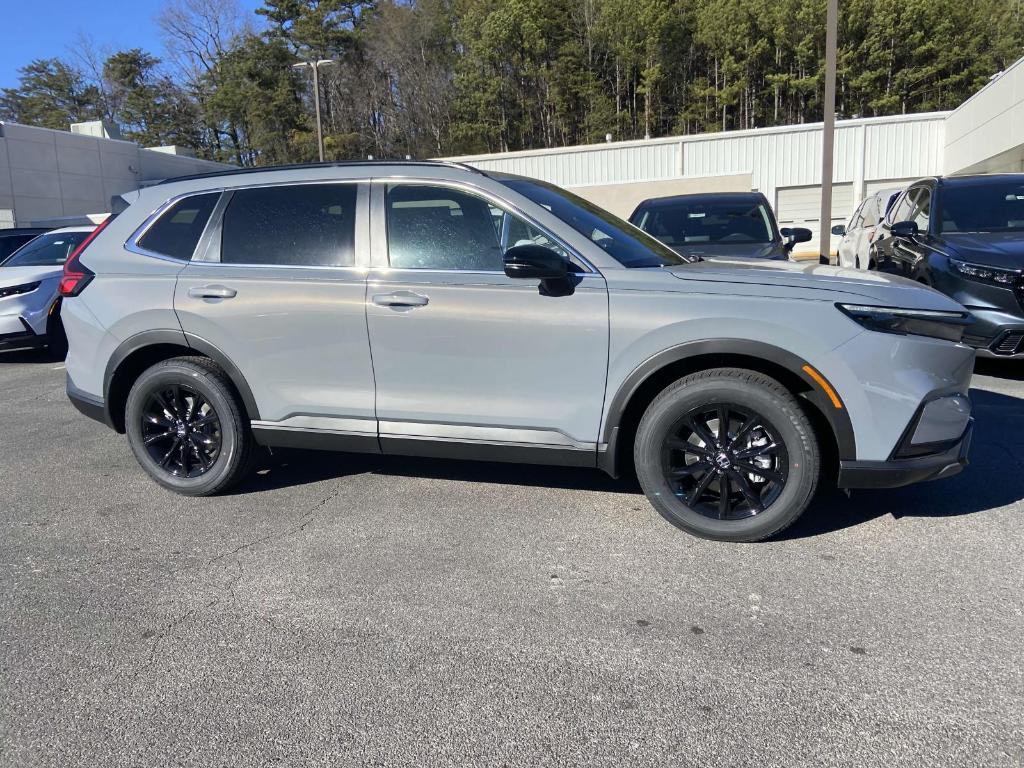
{"x": 838, "y": 419}
{"x": 182, "y": 339}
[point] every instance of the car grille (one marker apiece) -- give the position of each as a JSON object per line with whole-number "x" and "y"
{"x": 1010, "y": 343}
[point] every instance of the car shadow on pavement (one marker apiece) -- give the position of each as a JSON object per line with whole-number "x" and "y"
{"x": 15, "y": 355}
{"x": 290, "y": 467}
{"x": 994, "y": 478}
{"x": 1000, "y": 369}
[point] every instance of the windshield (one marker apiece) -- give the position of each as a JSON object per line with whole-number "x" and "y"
{"x": 702, "y": 221}
{"x": 622, "y": 241}
{"x": 49, "y": 250}
{"x": 994, "y": 207}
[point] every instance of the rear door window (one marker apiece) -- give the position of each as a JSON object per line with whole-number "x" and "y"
{"x": 176, "y": 233}
{"x": 298, "y": 225}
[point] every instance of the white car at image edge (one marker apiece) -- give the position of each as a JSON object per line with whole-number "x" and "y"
{"x": 29, "y": 282}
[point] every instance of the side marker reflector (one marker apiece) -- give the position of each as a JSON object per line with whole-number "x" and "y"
{"x": 822, "y": 382}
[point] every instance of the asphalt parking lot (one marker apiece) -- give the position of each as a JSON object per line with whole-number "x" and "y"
{"x": 366, "y": 610}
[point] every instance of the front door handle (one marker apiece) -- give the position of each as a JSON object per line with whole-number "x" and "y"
{"x": 400, "y": 299}
{"x": 212, "y": 292}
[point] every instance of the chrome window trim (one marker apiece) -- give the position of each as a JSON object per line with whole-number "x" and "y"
{"x": 490, "y": 197}
{"x": 132, "y": 243}
{"x": 213, "y": 229}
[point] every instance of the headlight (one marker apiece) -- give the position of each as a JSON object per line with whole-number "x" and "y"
{"x": 916, "y": 322}
{"x": 14, "y": 290}
{"x": 1006, "y": 278}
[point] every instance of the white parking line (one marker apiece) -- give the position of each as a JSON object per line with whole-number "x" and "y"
{"x": 58, "y": 367}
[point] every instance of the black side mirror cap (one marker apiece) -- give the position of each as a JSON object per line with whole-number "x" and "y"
{"x": 794, "y": 235}
{"x": 535, "y": 262}
{"x": 839, "y": 229}
{"x": 905, "y": 229}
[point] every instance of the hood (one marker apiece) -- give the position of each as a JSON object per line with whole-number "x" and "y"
{"x": 20, "y": 275}
{"x": 819, "y": 281}
{"x": 993, "y": 249}
{"x": 732, "y": 250}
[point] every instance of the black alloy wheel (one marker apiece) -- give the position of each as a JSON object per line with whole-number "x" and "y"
{"x": 181, "y": 431}
{"x": 725, "y": 461}
{"x": 187, "y": 426}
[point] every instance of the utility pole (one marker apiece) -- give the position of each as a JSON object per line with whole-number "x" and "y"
{"x": 315, "y": 66}
{"x": 828, "y": 132}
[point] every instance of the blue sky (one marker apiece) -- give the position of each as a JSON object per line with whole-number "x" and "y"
{"x": 111, "y": 24}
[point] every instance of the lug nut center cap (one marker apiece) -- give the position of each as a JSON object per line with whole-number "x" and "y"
{"x": 723, "y": 461}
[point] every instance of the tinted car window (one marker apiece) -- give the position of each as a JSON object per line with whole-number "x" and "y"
{"x": 293, "y": 225}
{"x": 901, "y": 211}
{"x": 49, "y": 250}
{"x": 922, "y": 208}
{"x": 10, "y": 243}
{"x": 442, "y": 228}
{"x": 997, "y": 206}
{"x": 628, "y": 245}
{"x": 679, "y": 222}
{"x": 176, "y": 233}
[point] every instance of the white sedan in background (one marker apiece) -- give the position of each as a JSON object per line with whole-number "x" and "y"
{"x": 29, "y": 277}
{"x": 855, "y": 247}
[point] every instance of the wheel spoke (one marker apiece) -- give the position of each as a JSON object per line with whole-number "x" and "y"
{"x": 204, "y": 461}
{"x": 689, "y": 470}
{"x": 164, "y": 405}
{"x": 724, "y": 505}
{"x": 176, "y": 400}
{"x": 678, "y": 444}
{"x": 757, "y": 450}
{"x": 156, "y": 420}
{"x": 748, "y": 425}
{"x": 167, "y": 456}
{"x": 723, "y": 426}
{"x": 183, "y": 457}
{"x": 753, "y": 469}
{"x": 701, "y": 430}
{"x": 699, "y": 489}
{"x": 160, "y": 436}
{"x": 202, "y": 421}
{"x": 753, "y": 499}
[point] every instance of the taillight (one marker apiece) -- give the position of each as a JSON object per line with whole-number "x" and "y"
{"x": 76, "y": 275}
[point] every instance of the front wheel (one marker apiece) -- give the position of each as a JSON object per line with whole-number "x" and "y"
{"x": 727, "y": 454}
{"x": 187, "y": 428}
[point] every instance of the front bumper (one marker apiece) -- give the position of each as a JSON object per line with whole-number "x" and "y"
{"x": 898, "y": 472}
{"x": 15, "y": 331}
{"x": 996, "y": 333}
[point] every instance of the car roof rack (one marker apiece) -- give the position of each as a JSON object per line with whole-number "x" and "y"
{"x": 338, "y": 164}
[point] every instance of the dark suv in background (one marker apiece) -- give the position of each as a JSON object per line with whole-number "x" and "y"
{"x": 964, "y": 235}
{"x": 718, "y": 224}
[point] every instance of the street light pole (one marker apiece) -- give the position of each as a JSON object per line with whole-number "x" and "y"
{"x": 828, "y": 132}
{"x": 315, "y": 66}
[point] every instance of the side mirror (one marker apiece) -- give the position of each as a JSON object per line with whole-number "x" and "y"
{"x": 906, "y": 229}
{"x": 839, "y": 229}
{"x": 536, "y": 262}
{"x": 794, "y": 235}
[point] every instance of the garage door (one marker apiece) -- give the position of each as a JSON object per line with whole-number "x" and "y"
{"x": 801, "y": 207}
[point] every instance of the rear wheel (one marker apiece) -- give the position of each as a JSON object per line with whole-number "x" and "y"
{"x": 727, "y": 454}
{"x": 187, "y": 428}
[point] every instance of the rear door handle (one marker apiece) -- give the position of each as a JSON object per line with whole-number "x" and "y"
{"x": 400, "y": 299}
{"x": 212, "y": 292}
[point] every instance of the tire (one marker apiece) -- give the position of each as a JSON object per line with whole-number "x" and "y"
{"x": 199, "y": 440}
{"x": 760, "y": 414}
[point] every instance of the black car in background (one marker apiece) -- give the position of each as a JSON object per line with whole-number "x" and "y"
{"x": 12, "y": 239}
{"x": 964, "y": 235}
{"x": 718, "y": 224}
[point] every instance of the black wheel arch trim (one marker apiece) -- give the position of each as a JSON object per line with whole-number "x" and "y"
{"x": 179, "y": 338}
{"x": 838, "y": 419}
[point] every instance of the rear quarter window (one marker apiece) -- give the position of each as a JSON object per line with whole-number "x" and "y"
{"x": 176, "y": 233}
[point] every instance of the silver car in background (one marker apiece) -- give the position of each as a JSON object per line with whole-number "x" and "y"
{"x": 430, "y": 309}
{"x": 29, "y": 281}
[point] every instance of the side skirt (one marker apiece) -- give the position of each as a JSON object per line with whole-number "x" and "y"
{"x": 473, "y": 450}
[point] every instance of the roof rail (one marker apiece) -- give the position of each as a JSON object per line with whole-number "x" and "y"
{"x": 340, "y": 164}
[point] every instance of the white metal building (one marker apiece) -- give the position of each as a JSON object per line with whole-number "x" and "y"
{"x": 58, "y": 177}
{"x": 985, "y": 134}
